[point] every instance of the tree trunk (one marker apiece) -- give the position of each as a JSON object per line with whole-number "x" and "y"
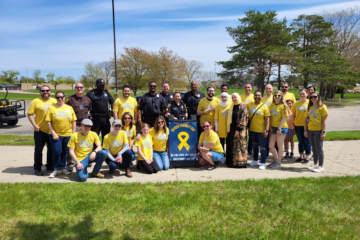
{"x": 342, "y": 94}
{"x": 134, "y": 90}
{"x": 321, "y": 90}
{"x": 333, "y": 91}
{"x": 328, "y": 90}
{"x": 279, "y": 77}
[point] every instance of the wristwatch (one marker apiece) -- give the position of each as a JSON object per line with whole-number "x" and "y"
{"x": 323, "y": 131}
{"x": 266, "y": 131}
{"x": 279, "y": 129}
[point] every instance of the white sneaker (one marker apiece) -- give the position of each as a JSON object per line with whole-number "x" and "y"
{"x": 312, "y": 166}
{"x": 54, "y": 174}
{"x": 318, "y": 169}
{"x": 66, "y": 172}
{"x": 262, "y": 166}
{"x": 254, "y": 163}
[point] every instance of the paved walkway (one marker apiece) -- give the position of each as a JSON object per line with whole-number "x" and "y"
{"x": 341, "y": 159}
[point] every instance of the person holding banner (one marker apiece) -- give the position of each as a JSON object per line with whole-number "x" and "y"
{"x": 221, "y": 113}
{"x": 236, "y": 142}
{"x": 177, "y": 108}
{"x": 209, "y": 146}
{"x": 160, "y": 137}
{"x": 145, "y": 150}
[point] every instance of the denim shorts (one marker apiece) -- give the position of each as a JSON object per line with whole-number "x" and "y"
{"x": 284, "y": 131}
{"x": 216, "y": 156}
{"x": 290, "y": 133}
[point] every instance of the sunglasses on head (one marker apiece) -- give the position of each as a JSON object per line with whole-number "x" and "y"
{"x": 45, "y": 90}
{"x": 88, "y": 126}
{"x": 117, "y": 125}
{"x": 311, "y": 97}
{"x": 79, "y": 87}
{"x": 277, "y": 95}
{"x": 59, "y": 97}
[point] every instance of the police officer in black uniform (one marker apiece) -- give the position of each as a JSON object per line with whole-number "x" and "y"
{"x": 191, "y": 100}
{"x": 167, "y": 95}
{"x": 151, "y": 106}
{"x": 100, "y": 113}
{"x": 177, "y": 108}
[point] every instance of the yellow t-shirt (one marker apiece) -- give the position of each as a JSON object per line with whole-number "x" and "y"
{"x": 115, "y": 143}
{"x": 289, "y": 95}
{"x": 83, "y": 145}
{"x": 123, "y": 105}
{"x": 159, "y": 139}
{"x": 219, "y": 97}
{"x": 221, "y": 114}
{"x": 212, "y": 138}
{"x": 130, "y": 133}
{"x": 258, "y": 121}
{"x": 61, "y": 119}
{"x": 267, "y": 100}
{"x": 315, "y": 117}
{"x": 300, "y": 109}
{"x": 277, "y": 113}
{"x": 39, "y": 107}
{"x": 247, "y": 99}
{"x": 145, "y": 144}
{"x": 205, "y": 104}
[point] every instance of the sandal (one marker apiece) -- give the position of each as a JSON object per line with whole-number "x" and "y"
{"x": 211, "y": 167}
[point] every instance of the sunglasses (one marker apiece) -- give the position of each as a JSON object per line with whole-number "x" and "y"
{"x": 160, "y": 122}
{"x": 59, "y": 97}
{"x": 284, "y": 87}
{"x": 152, "y": 86}
{"x": 206, "y": 126}
{"x": 79, "y": 87}
{"x": 257, "y": 95}
{"x": 127, "y": 118}
{"x": 313, "y": 97}
{"x": 88, "y": 126}
{"x": 45, "y": 90}
{"x": 277, "y": 95}
{"x": 117, "y": 125}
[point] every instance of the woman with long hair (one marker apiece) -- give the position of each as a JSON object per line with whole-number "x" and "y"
{"x": 160, "y": 136}
{"x": 279, "y": 113}
{"x": 310, "y": 90}
{"x": 315, "y": 130}
{"x": 299, "y": 110}
{"x": 221, "y": 115}
{"x": 130, "y": 130}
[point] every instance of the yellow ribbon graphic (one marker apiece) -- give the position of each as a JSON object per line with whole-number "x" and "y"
{"x": 183, "y": 141}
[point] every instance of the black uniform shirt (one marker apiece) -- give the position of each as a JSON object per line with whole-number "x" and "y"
{"x": 192, "y": 101}
{"x": 167, "y": 98}
{"x": 100, "y": 101}
{"x": 151, "y": 105}
{"x": 177, "y": 110}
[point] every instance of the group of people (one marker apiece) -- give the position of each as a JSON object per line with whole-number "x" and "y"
{"x": 249, "y": 124}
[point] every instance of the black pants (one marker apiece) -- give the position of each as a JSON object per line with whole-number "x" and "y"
{"x": 149, "y": 120}
{"x": 149, "y": 168}
{"x": 250, "y": 146}
{"x": 40, "y": 139}
{"x": 222, "y": 142}
{"x": 101, "y": 125}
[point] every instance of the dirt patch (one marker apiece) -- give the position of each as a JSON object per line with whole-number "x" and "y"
{"x": 22, "y": 140}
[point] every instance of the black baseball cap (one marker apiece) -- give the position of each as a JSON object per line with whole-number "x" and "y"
{"x": 100, "y": 82}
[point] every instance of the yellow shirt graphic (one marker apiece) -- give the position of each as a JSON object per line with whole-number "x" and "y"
{"x": 145, "y": 144}
{"x": 219, "y": 97}
{"x": 315, "y": 117}
{"x": 221, "y": 114}
{"x": 277, "y": 113}
{"x": 83, "y": 145}
{"x": 39, "y": 107}
{"x": 212, "y": 138}
{"x": 258, "y": 121}
{"x": 130, "y": 133}
{"x": 300, "y": 109}
{"x": 123, "y": 105}
{"x": 247, "y": 98}
{"x": 159, "y": 139}
{"x": 267, "y": 100}
{"x": 115, "y": 143}
{"x": 289, "y": 95}
{"x": 205, "y": 104}
{"x": 61, "y": 119}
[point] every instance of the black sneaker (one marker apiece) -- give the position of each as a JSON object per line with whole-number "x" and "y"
{"x": 299, "y": 160}
{"x": 286, "y": 155}
{"x": 39, "y": 173}
{"x": 70, "y": 169}
{"x": 305, "y": 161}
{"x": 90, "y": 165}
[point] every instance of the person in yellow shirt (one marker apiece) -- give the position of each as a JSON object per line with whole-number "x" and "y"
{"x": 117, "y": 147}
{"x": 268, "y": 98}
{"x": 287, "y": 95}
{"x": 125, "y": 104}
{"x": 160, "y": 137}
{"x": 206, "y": 108}
{"x": 224, "y": 89}
{"x": 279, "y": 111}
{"x": 209, "y": 146}
{"x": 299, "y": 110}
{"x": 81, "y": 145}
{"x": 315, "y": 130}
{"x": 39, "y": 107}
{"x": 259, "y": 120}
{"x": 145, "y": 151}
{"x": 130, "y": 130}
{"x": 221, "y": 116}
{"x": 60, "y": 119}
{"x": 248, "y": 97}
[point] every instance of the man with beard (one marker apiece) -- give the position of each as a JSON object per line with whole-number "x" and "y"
{"x": 125, "y": 104}
{"x": 287, "y": 95}
{"x": 151, "y": 106}
{"x": 100, "y": 114}
{"x": 39, "y": 107}
{"x": 166, "y": 94}
{"x": 206, "y": 108}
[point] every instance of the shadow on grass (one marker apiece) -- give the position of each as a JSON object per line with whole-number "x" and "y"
{"x": 63, "y": 230}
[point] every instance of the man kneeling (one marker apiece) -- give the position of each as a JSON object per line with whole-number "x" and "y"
{"x": 116, "y": 146}
{"x": 81, "y": 146}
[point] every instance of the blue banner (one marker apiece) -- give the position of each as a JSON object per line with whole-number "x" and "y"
{"x": 183, "y": 141}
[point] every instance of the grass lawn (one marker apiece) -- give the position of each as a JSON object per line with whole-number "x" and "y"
{"x": 298, "y": 208}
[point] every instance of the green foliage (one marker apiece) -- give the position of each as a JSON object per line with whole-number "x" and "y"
{"x": 57, "y": 81}
{"x": 8, "y": 76}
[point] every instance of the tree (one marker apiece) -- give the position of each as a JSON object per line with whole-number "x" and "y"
{"x": 70, "y": 80}
{"x": 50, "y": 77}
{"x": 59, "y": 80}
{"x": 9, "y": 76}
{"x": 93, "y": 71}
{"x": 256, "y": 36}
{"x": 192, "y": 70}
{"x": 107, "y": 70}
{"x": 86, "y": 81}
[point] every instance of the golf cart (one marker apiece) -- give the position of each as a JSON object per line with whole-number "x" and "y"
{"x": 9, "y": 111}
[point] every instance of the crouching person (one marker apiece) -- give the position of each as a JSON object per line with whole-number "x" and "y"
{"x": 81, "y": 147}
{"x": 116, "y": 146}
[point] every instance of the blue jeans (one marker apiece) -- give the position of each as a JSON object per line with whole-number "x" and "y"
{"x": 162, "y": 160}
{"x": 133, "y": 157}
{"x": 125, "y": 162}
{"x": 41, "y": 139}
{"x": 304, "y": 142}
{"x": 99, "y": 159}
{"x": 59, "y": 151}
{"x": 259, "y": 140}
{"x": 284, "y": 131}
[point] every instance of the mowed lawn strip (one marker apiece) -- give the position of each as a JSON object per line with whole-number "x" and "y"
{"x": 22, "y": 140}
{"x": 298, "y": 208}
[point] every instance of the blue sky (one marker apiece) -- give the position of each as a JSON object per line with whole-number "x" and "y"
{"x": 60, "y": 36}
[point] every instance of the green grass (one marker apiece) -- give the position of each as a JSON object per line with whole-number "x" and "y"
{"x": 298, "y": 208}
{"x": 17, "y": 140}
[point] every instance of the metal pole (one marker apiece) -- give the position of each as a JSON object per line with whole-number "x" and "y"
{"x": 27, "y": 80}
{"x": 116, "y": 89}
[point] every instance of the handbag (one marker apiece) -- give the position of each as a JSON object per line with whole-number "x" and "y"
{"x": 248, "y": 124}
